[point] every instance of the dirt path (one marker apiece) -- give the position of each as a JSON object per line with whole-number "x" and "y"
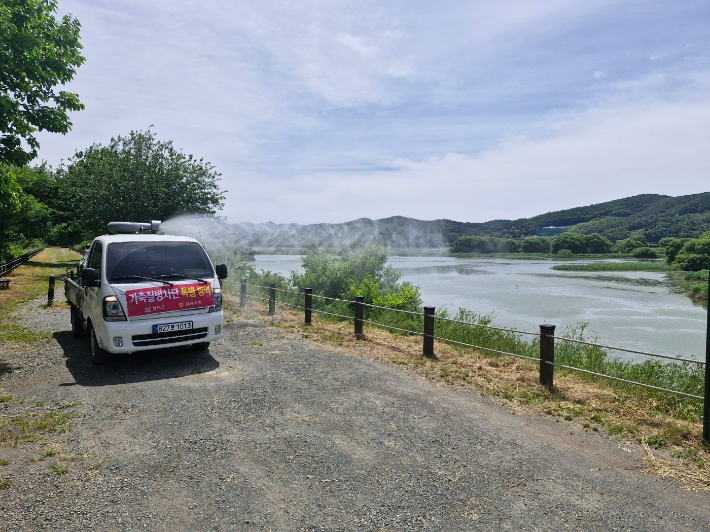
{"x": 269, "y": 431}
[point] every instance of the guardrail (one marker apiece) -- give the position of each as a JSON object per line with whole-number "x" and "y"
{"x": 19, "y": 261}
{"x": 426, "y": 323}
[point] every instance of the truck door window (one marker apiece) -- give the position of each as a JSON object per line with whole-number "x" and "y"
{"x": 95, "y": 261}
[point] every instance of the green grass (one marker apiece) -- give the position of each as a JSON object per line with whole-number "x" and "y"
{"x": 34, "y": 426}
{"x": 631, "y": 266}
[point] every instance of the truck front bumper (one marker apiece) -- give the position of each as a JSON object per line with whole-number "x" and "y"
{"x": 138, "y": 335}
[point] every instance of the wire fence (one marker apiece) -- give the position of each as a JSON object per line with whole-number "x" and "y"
{"x": 465, "y": 333}
{"x": 19, "y": 261}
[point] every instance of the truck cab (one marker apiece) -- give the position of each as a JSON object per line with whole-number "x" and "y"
{"x": 137, "y": 290}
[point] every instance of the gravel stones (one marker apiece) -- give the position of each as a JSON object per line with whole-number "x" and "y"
{"x": 269, "y": 431}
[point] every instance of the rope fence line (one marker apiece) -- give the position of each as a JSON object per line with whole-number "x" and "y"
{"x": 492, "y": 327}
{"x": 487, "y": 349}
{"x": 678, "y": 359}
{"x": 368, "y": 322}
{"x": 332, "y": 314}
{"x": 289, "y": 304}
{"x": 546, "y": 335}
{"x": 393, "y": 309}
{"x": 619, "y": 379}
{"x": 488, "y": 326}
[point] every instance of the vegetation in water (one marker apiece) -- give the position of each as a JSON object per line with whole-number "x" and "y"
{"x": 626, "y": 266}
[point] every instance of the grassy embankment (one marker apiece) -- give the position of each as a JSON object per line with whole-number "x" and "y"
{"x": 655, "y": 419}
{"x": 33, "y": 422}
{"x": 30, "y": 281}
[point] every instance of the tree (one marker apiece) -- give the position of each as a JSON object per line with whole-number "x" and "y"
{"x": 37, "y": 52}
{"x": 23, "y": 218}
{"x": 695, "y": 255}
{"x": 135, "y": 178}
{"x": 535, "y": 244}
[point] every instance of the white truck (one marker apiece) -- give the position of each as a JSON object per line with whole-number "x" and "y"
{"x": 136, "y": 290}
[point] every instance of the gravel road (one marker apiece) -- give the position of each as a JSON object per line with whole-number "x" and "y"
{"x": 269, "y": 431}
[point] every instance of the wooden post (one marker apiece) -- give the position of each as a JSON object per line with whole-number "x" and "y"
{"x": 272, "y": 299}
{"x": 243, "y": 293}
{"x": 429, "y": 331}
{"x": 547, "y": 354}
{"x": 309, "y": 305}
{"x": 50, "y": 292}
{"x": 359, "y": 313}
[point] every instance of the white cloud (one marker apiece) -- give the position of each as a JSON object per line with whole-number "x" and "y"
{"x": 473, "y": 107}
{"x": 607, "y": 154}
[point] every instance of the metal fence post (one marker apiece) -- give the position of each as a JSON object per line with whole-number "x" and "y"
{"x": 359, "y": 312}
{"x": 429, "y": 331}
{"x": 242, "y": 293}
{"x": 50, "y": 292}
{"x": 308, "y": 305}
{"x": 547, "y": 354}
{"x": 706, "y": 406}
{"x": 272, "y": 299}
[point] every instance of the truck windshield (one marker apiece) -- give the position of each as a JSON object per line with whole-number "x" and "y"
{"x": 133, "y": 260}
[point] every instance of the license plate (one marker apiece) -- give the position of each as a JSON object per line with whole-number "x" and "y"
{"x": 172, "y": 327}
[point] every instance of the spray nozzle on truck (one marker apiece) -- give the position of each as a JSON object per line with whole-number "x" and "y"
{"x": 137, "y": 289}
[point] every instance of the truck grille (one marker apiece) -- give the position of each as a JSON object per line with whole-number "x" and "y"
{"x": 169, "y": 337}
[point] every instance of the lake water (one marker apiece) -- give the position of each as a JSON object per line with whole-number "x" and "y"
{"x": 634, "y": 310}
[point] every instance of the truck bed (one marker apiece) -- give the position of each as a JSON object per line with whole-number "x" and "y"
{"x": 73, "y": 292}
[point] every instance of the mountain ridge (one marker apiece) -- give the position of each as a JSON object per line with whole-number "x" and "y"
{"x": 652, "y": 215}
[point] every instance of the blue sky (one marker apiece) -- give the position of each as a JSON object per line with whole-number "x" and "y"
{"x": 332, "y": 110}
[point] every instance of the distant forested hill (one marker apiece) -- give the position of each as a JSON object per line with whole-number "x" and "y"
{"x": 650, "y": 215}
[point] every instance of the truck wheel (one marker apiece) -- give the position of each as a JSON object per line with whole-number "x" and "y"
{"x": 98, "y": 356}
{"x": 77, "y": 329}
{"x": 202, "y": 346}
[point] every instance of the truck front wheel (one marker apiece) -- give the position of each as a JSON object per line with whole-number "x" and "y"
{"x": 98, "y": 356}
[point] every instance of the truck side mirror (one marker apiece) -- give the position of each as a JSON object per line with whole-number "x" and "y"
{"x": 89, "y": 277}
{"x": 221, "y": 270}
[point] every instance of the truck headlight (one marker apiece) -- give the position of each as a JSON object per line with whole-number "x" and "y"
{"x": 113, "y": 311}
{"x": 217, "y": 297}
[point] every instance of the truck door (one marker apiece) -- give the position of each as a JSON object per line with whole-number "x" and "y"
{"x": 92, "y": 295}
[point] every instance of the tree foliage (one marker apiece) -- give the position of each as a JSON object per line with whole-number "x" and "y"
{"x": 359, "y": 272}
{"x": 579, "y": 243}
{"x": 37, "y": 53}
{"x": 135, "y": 178}
{"x": 695, "y": 254}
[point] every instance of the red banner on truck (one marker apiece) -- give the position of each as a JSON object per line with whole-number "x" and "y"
{"x": 147, "y": 301}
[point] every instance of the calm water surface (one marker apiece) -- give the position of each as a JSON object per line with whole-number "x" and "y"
{"x": 635, "y": 310}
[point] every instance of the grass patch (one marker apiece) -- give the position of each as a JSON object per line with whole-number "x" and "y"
{"x": 5, "y": 484}
{"x": 59, "y": 469}
{"x": 4, "y": 462}
{"x": 34, "y": 426}
{"x": 28, "y": 282}
{"x": 626, "y": 266}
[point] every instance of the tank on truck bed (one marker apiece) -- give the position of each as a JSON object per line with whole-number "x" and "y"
{"x": 137, "y": 289}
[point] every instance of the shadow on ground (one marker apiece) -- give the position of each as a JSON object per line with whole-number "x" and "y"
{"x": 170, "y": 363}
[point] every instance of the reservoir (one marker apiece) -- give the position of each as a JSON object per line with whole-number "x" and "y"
{"x": 633, "y": 310}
